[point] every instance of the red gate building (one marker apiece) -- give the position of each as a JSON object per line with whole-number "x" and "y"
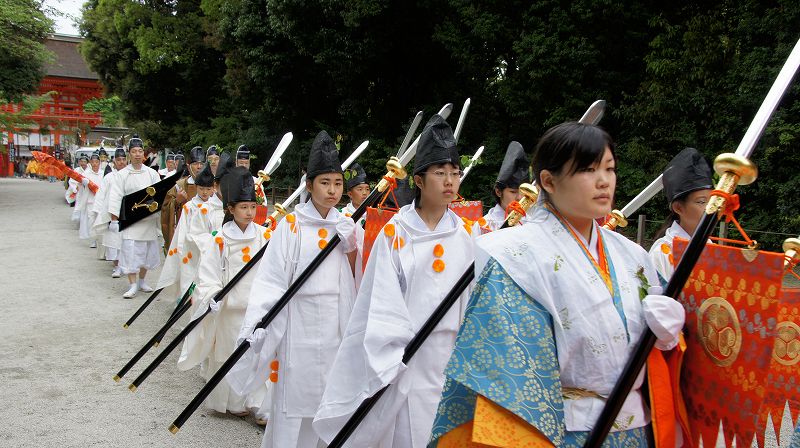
{"x": 61, "y": 121}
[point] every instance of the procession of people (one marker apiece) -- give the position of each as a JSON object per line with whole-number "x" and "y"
{"x": 304, "y": 317}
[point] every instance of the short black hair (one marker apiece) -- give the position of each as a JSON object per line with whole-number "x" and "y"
{"x": 584, "y": 143}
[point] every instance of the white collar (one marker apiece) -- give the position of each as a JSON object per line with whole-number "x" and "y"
{"x": 310, "y": 213}
{"x": 232, "y": 231}
{"x": 676, "y": 230}
{"x": 410, "y": 220}
{"x": 215, "y": 201}
{"x": 497, "y": 213}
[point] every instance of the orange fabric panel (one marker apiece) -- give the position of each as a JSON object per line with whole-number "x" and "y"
{"x": 661, "y": 400}
{"x": 494, "y": 427}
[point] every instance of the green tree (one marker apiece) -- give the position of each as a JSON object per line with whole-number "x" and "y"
{"x": 153, "y": 55}
{"x": 23, "y": 29}
{"x": 109, "y": 108}
{"x": 708, "y": 70}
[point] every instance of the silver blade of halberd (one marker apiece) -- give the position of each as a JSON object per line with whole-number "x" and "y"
{"x": 352, "y": 158}
{"x": 461, "y": 119}
{"x": 410, "y": 134}
{"x": 643, "y": 196}
{"x": 779, "y": 87}
{"x": 594, "y": 113}
{"x": 472, "y": 162}
{"x": 294, "y": 195}
{"x": 273, "y": 163}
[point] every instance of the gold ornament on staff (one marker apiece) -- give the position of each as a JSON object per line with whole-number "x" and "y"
{"x": 617, "y": 219}
{"x": 394, "y": 170}
{"x": 530, "y": 194}
{"x": 733, "y": 170}
{"x": 152, "y": 206}
{"x": 262, "y": 177}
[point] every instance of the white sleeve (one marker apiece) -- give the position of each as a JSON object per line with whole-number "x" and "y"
{"x": 271, "y": 281}
{"x": 116, "y": 194}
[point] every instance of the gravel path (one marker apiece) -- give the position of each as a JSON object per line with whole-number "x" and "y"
{"x": 62, "y": 341}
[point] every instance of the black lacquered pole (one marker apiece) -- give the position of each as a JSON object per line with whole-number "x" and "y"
{"x": 411, "y": 349}
{"x": 639, "y": 357}
{"x": 212, "y": 383}
{"x": 143, "y": 307}
{"x": 179, "y": 308}
{"x": 132, "y": 362}
{"x": 416, "y": 342}
{"x": 191, "y": 325}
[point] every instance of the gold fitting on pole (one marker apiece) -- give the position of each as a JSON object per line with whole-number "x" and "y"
{"x": 530, "y": 194}
{"x": 116, "y": 378}
{"x": 279, "y": 210}
{"x": 155, "y": 344}
{"x": 174, "y": 429}
{"x": 125, "y": 326}
{"x": 393, "y": 166}
{"x": 617, "y": 219}
{"x": 791, "y": 247}
{"x": 393, "y": 170}
{"x": 132, "y": 387}
{"x": 742, "y": 167}
{"x": 262, "y": 177}
{"x": 734, "y": 170}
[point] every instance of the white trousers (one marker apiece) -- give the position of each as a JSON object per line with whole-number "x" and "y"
{"x": 135, "y": 255}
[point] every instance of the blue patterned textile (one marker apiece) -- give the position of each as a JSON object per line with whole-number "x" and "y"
{"x": 506, "y": 352}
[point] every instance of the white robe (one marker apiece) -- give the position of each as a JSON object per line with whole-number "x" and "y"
{"x": 74, "y": 188}
{"x": 661, "y": 250}
{"x": 400, "y": 291}
{"x": 183, "y": 255}
{"x": 593, "y": 343}
{"x": 216, "y": 337}
{"x": 129, "y": 180}
{"x": 306, "y": 333}
{"x": 163, "y": 172}
{"x": 110, "y": 241}
{"x": 199, "y": 238}
{"x": 85, "y": 203}
{"x": 348, "y": 211}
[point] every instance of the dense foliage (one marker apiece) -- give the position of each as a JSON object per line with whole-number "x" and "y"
{"x": 674, "y": 74}
{"x": 23, "y": 29}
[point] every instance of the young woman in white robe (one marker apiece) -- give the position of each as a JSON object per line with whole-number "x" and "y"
{"x": 687, "y": 186}
{"x": 357, "y": 189}
{"x": 416, "y": 260}
{"x": 306, "y": 333}
{"x": 559, "y": 306}
{"x": 86, "y": 199}
{"x": 224, "y": 255}
{"x": 75, "y": 187}
{"x": 513, "y": 172}
{"x": 183, "y": 255}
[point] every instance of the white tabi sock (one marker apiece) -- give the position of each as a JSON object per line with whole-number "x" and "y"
{"x": 144, "y": 287}
{"x": 131, "y": 291}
